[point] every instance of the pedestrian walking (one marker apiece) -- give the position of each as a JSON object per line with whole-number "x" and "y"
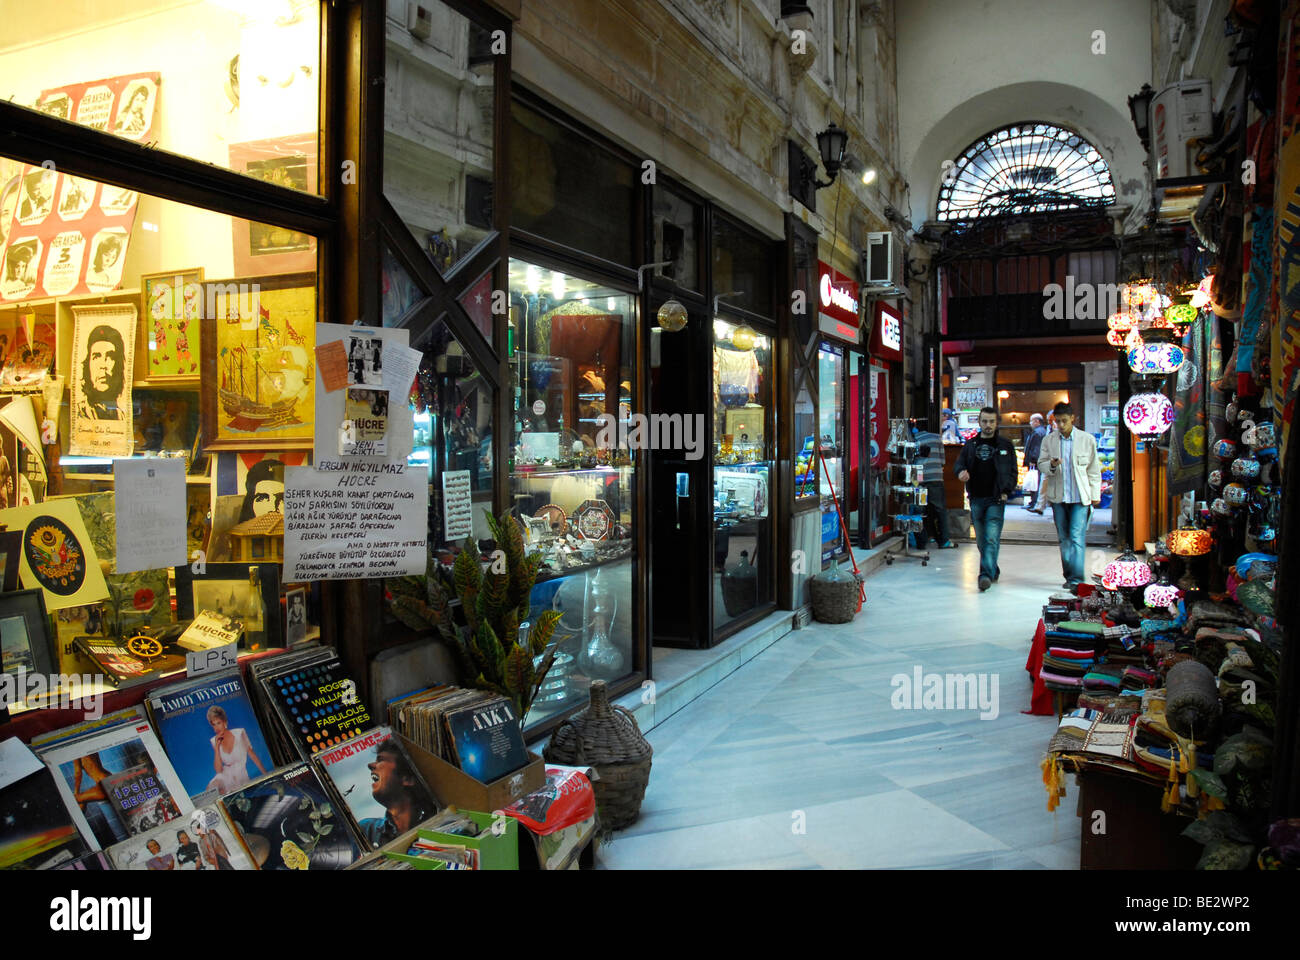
{"x": 1071, "y": 483}
{"x": 930, "y": 455}
{"x": 1033, "y": 444}
{"x": 987, "y": 465}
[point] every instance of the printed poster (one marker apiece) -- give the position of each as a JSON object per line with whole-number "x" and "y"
{"x": 64, "y": 235}
{"x": 364, "y": 347}
{"x": 57, "y": 554}
{"x": 103, "y": 361}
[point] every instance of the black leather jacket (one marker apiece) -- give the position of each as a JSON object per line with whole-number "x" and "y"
{"x": 1004, "y": 461}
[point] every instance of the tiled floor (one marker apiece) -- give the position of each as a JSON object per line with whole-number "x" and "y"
{"x": 799, "y": 759}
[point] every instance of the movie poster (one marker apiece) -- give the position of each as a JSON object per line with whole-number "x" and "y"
{"x": 103, "y": 361}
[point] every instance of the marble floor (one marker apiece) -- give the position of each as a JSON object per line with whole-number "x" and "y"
{"x": 799, "y": 759}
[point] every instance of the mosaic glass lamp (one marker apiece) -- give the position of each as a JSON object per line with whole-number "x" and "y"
{"x": 1148, "y": 414}
{"x": 1126, "y": 572}
{"x": 1162, "y": 594}
{"x": 1156, "y": 359}
{"x": 1181, "y": 315}
{"x": 1189, "y": 542}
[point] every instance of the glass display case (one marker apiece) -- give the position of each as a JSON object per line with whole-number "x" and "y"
{"x": 742, "y": 469}
{"x": 831, "y": 442}
{"x": 572, "y": 470}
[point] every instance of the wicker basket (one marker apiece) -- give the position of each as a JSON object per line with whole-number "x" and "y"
{"x": 835, "y": 601}
{"x": 607, "y": 737}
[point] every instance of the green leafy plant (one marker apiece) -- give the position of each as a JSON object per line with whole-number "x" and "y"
{"x": 494, "y": 601}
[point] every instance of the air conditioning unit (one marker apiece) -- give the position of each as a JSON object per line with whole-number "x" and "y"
{"x": 1180, "y": 113}
{"x": 419, "y": 21}
{"x": 880, "y": 260}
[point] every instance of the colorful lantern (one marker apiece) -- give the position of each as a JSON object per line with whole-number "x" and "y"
{"x": 1133, "y": 341}
{"x": 1160, "y": 594}
{"x": 1116, "y": 338}
{"x": 1265, "y": 435}
{"x": 1247, "y": 468}
{"x": 1156, "y": 359}
{"x": 1220, "y": 506}
{"x": 1181, "y": 314}
{"x": 1216, "y": 478}
{"x": 1225, "y": 449}
{"x": 742, "y": 338}
{"x": 1148, "y": 414}
{"x": 1189, "y": 542}
{"x": 1122, "y": 320}
{"x": 1235, "y": 494}
{"x": 1201, "y": 298}
{"x": 1126, "y": 571}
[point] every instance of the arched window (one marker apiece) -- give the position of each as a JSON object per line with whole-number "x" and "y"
{"x": 1025, "y": 168}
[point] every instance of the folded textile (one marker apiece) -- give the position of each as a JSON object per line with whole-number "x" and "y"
{"x": 1070, "y": 653}
{"x": 1092, "y": 627}
{"x": 1051, "y": 678}
{"x": 1100, "y": 681}
{"x": 1122, "y": 703}
{"x": 1135, "y": 677}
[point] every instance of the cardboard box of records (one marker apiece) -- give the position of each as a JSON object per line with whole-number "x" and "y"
{"x": 455, "y": 787}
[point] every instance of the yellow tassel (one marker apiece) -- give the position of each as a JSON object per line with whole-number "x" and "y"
{"x": 1052, "y": 780}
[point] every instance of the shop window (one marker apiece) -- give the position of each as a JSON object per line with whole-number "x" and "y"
{"x": 742, "y": 469}
{"x": 742, "y": 268}
{"x": 1017, "y": 376}
{"x": 234, "y": 83}
{"x": 137, "y": 328}
{"x": 831, "y": 442}
{"x": 676, "y": 223}
{"x": 806, "y": 467}
{"x": 399, "y": 289}
{"x": 438, "y": 131}
{"x": 574, "y": 435}
{"x": 567, "y": 189}
{"x": 1055, "y": 375}
{"x": 453, "y": 434}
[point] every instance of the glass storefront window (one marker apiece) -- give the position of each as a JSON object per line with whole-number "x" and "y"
{"x": 742, "y": 469}
{"x": 133, "y": 327}
{"x": 567, "y": 189}
{"x": 831, "y": 442}
{"x": 742, "y": 268}
{"x": 438, "y": 131}
{"x": 806, "y": 467}
{"x": 675, "y": 227}
{"x": 572, "y": 469}
{"x": 235, "y": 83}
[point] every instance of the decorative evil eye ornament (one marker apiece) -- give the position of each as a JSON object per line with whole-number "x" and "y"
{"x": 1235, "y": 494}
{"x": 1216, "y": 478}
{"x": 1220, "y": 506}
{"x": 1225, "y": 449}
{"x": 1246, "y": 468}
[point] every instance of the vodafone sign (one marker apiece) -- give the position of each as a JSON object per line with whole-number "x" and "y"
{"x": 837, "y": 302}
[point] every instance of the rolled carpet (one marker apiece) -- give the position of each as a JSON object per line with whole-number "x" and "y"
{"x": 1192, "y": 699}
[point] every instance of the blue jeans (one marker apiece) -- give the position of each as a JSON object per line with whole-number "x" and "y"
{"x": 1072, "y": 530}
{"x": 986, "y": 516}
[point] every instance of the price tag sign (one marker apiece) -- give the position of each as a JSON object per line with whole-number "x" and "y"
{"x": 199, "y": 662}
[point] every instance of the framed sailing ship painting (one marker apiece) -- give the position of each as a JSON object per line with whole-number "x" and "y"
{"x": 258, "y": 355}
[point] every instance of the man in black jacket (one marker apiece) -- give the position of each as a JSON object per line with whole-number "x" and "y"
{"x": 987, "y": 465}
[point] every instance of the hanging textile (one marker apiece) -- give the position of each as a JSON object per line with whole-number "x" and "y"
{"x": 1286, "y": 259}
{"x": 1188, "y": 441}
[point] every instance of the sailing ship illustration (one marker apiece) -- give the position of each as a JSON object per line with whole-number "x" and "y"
{"x": 263, "y": 382}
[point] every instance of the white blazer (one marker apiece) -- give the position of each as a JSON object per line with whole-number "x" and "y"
{"x": 1086, "y": 466}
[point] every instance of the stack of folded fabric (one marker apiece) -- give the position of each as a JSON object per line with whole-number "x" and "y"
{"x": 1122, "y": 646}
{"x": 1063, "y": 668}
{"x": 1136, "y": 678}
{"x": 1205, "y": 613}
{"x": 1103, "y": 677}
{"x": 1155, "y": 631}
{"x": 1126, "y": 703}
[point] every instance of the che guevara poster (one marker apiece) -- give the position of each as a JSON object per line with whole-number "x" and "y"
{"x": 103, "y": 367}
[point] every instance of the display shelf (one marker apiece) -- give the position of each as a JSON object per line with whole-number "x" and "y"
{"x": 543, "y": 575}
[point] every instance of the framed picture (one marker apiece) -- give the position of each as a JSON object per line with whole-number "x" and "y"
{"x": 24, "y": 633}
{"x": 172, "y": 308}
{"x": 247, "y": 592}
{"x": 11, "y": 545}
{"x": 258, "y": 363}
{"x": 295, "y": 615}
{"x": 262, "y": 249}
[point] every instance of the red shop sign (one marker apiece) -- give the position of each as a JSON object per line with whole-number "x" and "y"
{"x": 837, "y": 299}
{"x": 886, "y": 332}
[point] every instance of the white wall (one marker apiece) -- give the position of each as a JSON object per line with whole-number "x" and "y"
{"x": 966, "y": 67}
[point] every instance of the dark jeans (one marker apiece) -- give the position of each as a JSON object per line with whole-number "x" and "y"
{"x": 986, "y": 516}
{"x": 936, "y": 516}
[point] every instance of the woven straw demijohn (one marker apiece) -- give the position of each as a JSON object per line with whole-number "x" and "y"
{"x": 606, "y": 736}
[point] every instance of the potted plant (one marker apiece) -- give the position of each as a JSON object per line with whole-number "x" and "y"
{"x": 479, "y": 610}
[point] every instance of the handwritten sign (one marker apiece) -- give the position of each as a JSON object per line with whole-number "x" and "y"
{"x": 365, "y": 520}
{"x": 211, "y": 660}
{"x": 149, "y": 499}
{"x": 332, "y": 362}
{"x": 401, "y": 364}
{"x": 457, "y": 505}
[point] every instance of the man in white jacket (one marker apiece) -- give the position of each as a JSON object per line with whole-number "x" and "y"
{"x": 1071, "y": 482}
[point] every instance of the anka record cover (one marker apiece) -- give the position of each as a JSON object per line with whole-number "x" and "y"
{"x": 211, "y": 735}
{"x": 381, "y": 788}
{"x": 83, "y": 768}
{"x": 311, "y": 701}
{"x": 204, "y": 840}
{"x": 36, "y": 830}
{"x": 287, "y": 822}
{"x": 487, "y": 738}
